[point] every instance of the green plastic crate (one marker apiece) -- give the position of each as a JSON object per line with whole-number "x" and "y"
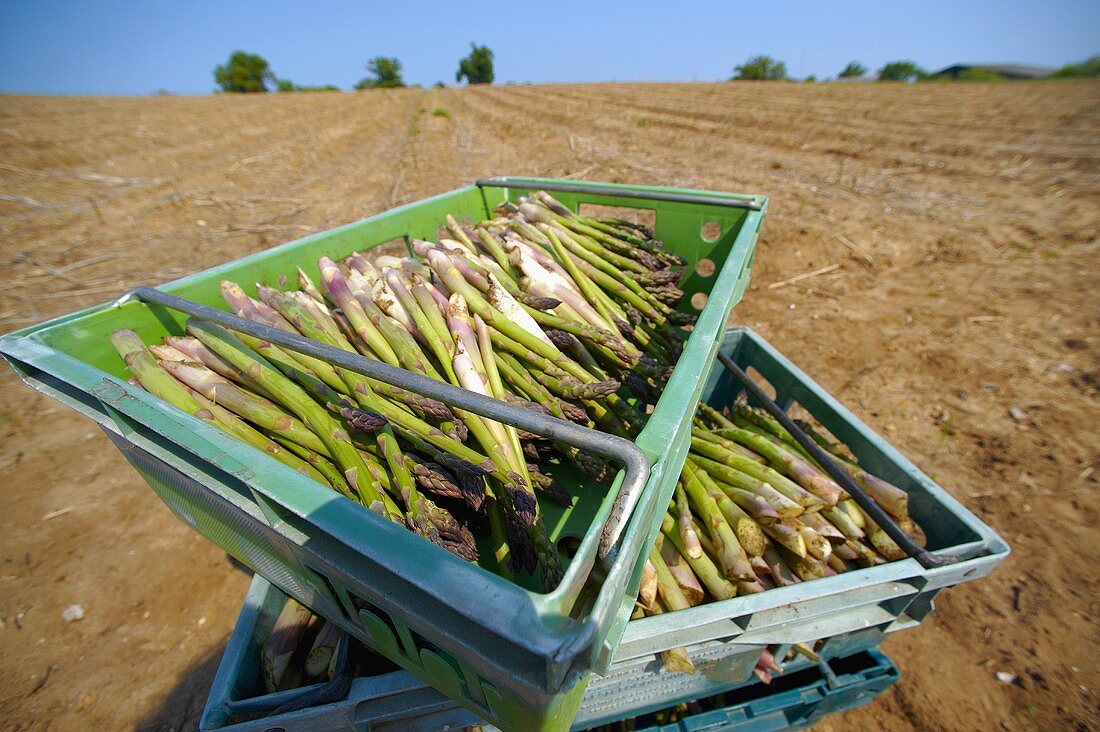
{"x": 509, "y": 653}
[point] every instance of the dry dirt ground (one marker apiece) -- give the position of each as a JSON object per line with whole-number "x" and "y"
{"x": 963, "y": 219}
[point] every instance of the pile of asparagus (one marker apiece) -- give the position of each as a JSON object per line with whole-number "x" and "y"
{"x": 564, "y": 314}
{"x": 753, "y": 511}
{"x": 302, "y": 649}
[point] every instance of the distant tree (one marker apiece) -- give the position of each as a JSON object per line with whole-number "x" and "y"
{"x": 439, "y": 85}
{"x": 761, "y": 68}
{"x": 811, "y": 79}
{"x": 286, "y": 85}
{"x": 385, "y": 73}
{"x": 1087, "y": 69}
{"x": 477, "y": 68}
{"x": 854, "y": 68}
{"x": 244, "y": 72}
{"x": 901, "y": 71}
{"x": 979, "y": 73}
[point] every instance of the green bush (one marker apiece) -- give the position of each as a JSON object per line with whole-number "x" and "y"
{"x": 761, "y": 68}
{"x": 979, "y": 73}
{"x": 477, "y": 68}
{"x": 854, "y": 68}
{"x": 1087, "y": 69}
{"x": 286, "y": 85}
{"x": 384, "y": 73}
{"x": 902, "y": 71}
{"x": 244, "y": 73}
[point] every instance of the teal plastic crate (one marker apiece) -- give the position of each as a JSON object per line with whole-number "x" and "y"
{"x": 802, "y": 695}
{"x": 840, "y": 615}
{"x": 846, "y": 612}
{"x": 511, "y": 654}
{"x": 794, "y": 700}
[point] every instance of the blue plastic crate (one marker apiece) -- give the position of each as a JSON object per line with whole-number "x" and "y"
{"x": 794, "y": 701}
{"x": 852, "y": 612}
{"x": 398, "y": 701}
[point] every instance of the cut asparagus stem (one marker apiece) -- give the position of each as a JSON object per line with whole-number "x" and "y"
{"x": 817, "y": 546}
{"x": 842, "y": 520}
{"x": 746, "y": 528}
{"x": 819, "y": 523}
{"x": 791, "y": 465}
{"x": 782, "y": 505}
{"x": 787, "y": 537}
{"x": 712, "y": 578}
{"x": 153, "y": 378}
{"x": 780, "y": 572}
{"x": 734, "y": 562}
{"x": 257, "y": 410}
{"x": 744, "y": 415}
{"x": 688, "y": 535}
{"x": 729, "y": 445}
{"x": 324, "y": 647}
{"x": 835, "y": 448}
{"x": 774, "y": 478}
{"x": 290, "y": 396}
{"x": 677, "y": 660}
{"x": 672, "y": 597}
{"x": 681, "y": 571}
{"x": 805, "y": 567}
{"x": 283, "y": 641}
{"x": 647, "y": 591}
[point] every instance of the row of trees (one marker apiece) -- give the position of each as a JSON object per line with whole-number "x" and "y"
{"x": 769, "y": 69}
{"x": 1087, "y": 69}
{"x": 766, "y": 68}
{"x": 250, "y": 72}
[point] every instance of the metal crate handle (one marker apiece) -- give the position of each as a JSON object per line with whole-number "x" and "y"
{"x": 633, "y": 460}
{"x": 597, "y": 189}
{"x": 872, "y": 509}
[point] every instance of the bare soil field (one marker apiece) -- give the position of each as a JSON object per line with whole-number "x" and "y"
{"x": 961, "y": 322}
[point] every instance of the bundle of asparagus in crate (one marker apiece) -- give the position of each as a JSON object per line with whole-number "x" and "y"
{"x": 753, "y": 511}
{"x": 567, "y": 315}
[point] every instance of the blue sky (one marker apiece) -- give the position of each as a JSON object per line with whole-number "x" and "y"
{"x": 115, "y": 47}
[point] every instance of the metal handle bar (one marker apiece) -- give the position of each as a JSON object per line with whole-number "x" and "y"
{"x": 630, "y": 456}
{"x": 872, "y": 509}
{"x": 604, "y": 190}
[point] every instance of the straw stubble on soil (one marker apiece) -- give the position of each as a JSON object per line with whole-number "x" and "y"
{"x": 961, "y": 323}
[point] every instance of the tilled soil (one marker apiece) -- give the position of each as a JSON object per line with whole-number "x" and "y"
{"x": 961, "y": 323}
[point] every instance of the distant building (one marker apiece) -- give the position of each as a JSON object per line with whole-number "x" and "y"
{"x": 873, "y": 76}
{"x": 1007, "y": 71}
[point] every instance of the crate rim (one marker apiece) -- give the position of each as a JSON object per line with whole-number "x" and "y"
{"x": 506, "y": 182}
